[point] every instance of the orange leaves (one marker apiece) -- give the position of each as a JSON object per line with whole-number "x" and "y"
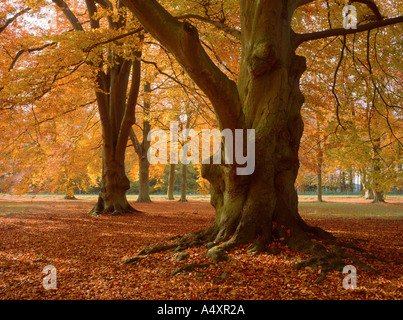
{"x": 87, "y": 253}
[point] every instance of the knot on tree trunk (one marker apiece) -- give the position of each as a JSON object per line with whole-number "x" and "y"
{"x": 263, "y": 59}
{"x": 190, "y": 29}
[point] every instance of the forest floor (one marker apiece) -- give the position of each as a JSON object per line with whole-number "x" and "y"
{"x": 88, "y": 252}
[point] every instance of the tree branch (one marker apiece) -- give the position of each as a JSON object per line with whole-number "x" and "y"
{"x": 301, "y": 38}
{"x": 218, "y": 24}
{"x": 22, "y": 51}
{"x": 129, "y": 115}
{"x": 182, "y": 39}
{"x": 69, "y": 14}
{"x": 301, "y": 3}
{"x": 135, "y": 142}
{"x": 334, "y": 83}
{"x": 11, "y": 20}
{"x": 372, "y": 6}
{"x": 104, "y": 3}
{"x": 92, "y": 10}
{"x": 121, "y": 36}
{"x": 29, "y": 50}
{"x": 369, "y": 3}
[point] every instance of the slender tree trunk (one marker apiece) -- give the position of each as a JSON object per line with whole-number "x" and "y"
{"x": 368, "y": 192}
{"x": 320, "y": 184}
{"x": 144, "y": 180}
{"x": 171, "y": 182}
{"x": 144, "y": 167}
{"x": 342, "y": 181}
{"x": 320, "y": 158}
{"x": 351, "y": 181}
{"x": 376, "y": 172}
{"x": 183, "y": 182}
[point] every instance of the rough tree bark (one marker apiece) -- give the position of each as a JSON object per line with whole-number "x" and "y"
{"x": 184, "y": 169}
{"x": 117, "y": 117}
{"x": 376, "y": 172}
{"x": 261, "y": 207}
{"x": 144, "y": 181}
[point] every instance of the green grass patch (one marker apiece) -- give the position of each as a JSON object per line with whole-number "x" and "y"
{"x": 376, "y": 210}
{"x": 342, "y": 206}
{"x": 8, "y": 207}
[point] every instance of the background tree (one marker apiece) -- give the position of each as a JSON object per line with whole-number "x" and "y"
{"x": 116, "y": 68}
{"x": 142, "y": 148}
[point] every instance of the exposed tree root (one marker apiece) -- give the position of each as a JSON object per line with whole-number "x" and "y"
{"x": 145, "y": 199}
{"x": 116, "y": 209}
{"x": 134, "y": 259}
{"x": 324, "y": 259}
{"x": 327, "y": 261}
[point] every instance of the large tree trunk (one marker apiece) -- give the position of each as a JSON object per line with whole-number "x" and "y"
{"x": 117, "y": 116}
{"x": 378, "y": 196}
{"x": 262, "y": 207}
{"x": 376, "y": 172}
{"x": 112, "y": 197}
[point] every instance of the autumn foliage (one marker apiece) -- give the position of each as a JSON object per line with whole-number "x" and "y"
{"x": 89, "y": 252}
{"x": 83, "y": 83}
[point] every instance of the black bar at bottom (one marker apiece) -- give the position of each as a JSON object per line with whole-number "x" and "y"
{"x": 193, "y": 309}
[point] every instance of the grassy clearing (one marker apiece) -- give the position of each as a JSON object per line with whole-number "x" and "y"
{"x": 20, "y": 204}
{"x": 333, "y": 206}
{"x": 343, "y": 209}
